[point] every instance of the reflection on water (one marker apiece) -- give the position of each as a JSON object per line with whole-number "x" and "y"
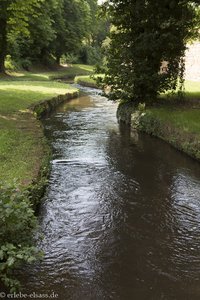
{"x": 121, "y": 217}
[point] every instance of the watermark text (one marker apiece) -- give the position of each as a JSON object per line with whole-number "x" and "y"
{"x": 33, "y": 295}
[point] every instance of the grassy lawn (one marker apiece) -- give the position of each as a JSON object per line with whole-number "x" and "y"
{"x": 176, "y": 121}
{"x": 87, "y": 80}
{"x": 69, "y": 72}
{"x": 186, "y": 119}
{"x": 179, "y": 127}
{"x": 21, "y": 139}
{"x": 16, "y": 95}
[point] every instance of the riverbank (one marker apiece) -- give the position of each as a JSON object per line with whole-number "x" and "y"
{"x": 174, "y": 121}
{"x": 24, "y": 158}
{"x": 22, "y": 144}
{"x": 21, "y": 94}
{"x": 88, "y": 80}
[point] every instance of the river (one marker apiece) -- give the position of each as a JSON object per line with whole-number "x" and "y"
{"x": 121, "y": 217}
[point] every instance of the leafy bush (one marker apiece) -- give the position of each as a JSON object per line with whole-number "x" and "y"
{"x": 10, "y": 64}
{"x": 69, "y": 58}
{"x": 18, "y": 223}
{"x": 91, "y": 55}
{"x": 25, "y": 64}
{"x": 17, "y": 64}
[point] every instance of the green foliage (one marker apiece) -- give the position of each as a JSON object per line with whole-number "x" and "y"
{"x": 141, "y": 107}
{"x": 92, "y": 51}
{"x": 69, "y": 58}
{"x": 18, "y": 223}
{"x": 145, "y": 34}
{"x": 10, "y": 64}
{"x": 71, "y": 21}
{"x": 91, "y": 55}
{"x": 41, "y": 31}
{"x": 16, "y": 215}
{"x": 14, "y": 17}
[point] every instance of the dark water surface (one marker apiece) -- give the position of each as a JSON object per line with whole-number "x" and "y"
{"x": 121, "y": 217}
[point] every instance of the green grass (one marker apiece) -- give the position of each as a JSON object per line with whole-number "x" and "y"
{"x": 69, "y": 72}
{"x": 87, "y": 80}
{"x": 16, "y": 96}
{"x": 186, "y": 119}
{"x": 182, "y": 115}
{"x": 21, "y": 139}
{"x": 21, "y": 150}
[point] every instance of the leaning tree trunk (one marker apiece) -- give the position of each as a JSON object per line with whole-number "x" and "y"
{"x": 3, "y": 44}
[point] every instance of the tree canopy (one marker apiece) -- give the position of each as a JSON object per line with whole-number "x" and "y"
{"x": 146, "y": 34}
{"x": 13, "y": 18}
{"x": 41, "y": 30}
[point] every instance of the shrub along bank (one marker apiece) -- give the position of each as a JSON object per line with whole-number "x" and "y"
{"x": 24, "y": 161}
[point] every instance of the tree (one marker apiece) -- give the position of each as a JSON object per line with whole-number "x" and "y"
{"x": 35, "y": 48}
{"x": 13, "y": 17}
{"x": 146, "y": 34}
{"x": 91, "y": 50}
{"x": 55, "y": 28}
{"x": 71, "y": 25}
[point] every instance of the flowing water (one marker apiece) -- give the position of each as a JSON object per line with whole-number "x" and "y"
{"x": 121, "y": 217}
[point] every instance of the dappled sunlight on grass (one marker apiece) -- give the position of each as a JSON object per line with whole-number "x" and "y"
{"x": 15, "y": 95}
{"x": 44, "y": 90}
{"x": 65, "y": 71}
{"x": 85, "y": 67}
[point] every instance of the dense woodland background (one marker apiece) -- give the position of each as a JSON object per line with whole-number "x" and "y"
{"x": 44, "y": 31}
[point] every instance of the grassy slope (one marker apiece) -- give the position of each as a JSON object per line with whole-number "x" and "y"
{"x": 21, "y": 147}
{"x": 177, "y": 124}
{"x": 186, "y": 118}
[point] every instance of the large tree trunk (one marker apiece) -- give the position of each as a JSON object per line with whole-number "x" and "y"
{"x": 3, "y": 43}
